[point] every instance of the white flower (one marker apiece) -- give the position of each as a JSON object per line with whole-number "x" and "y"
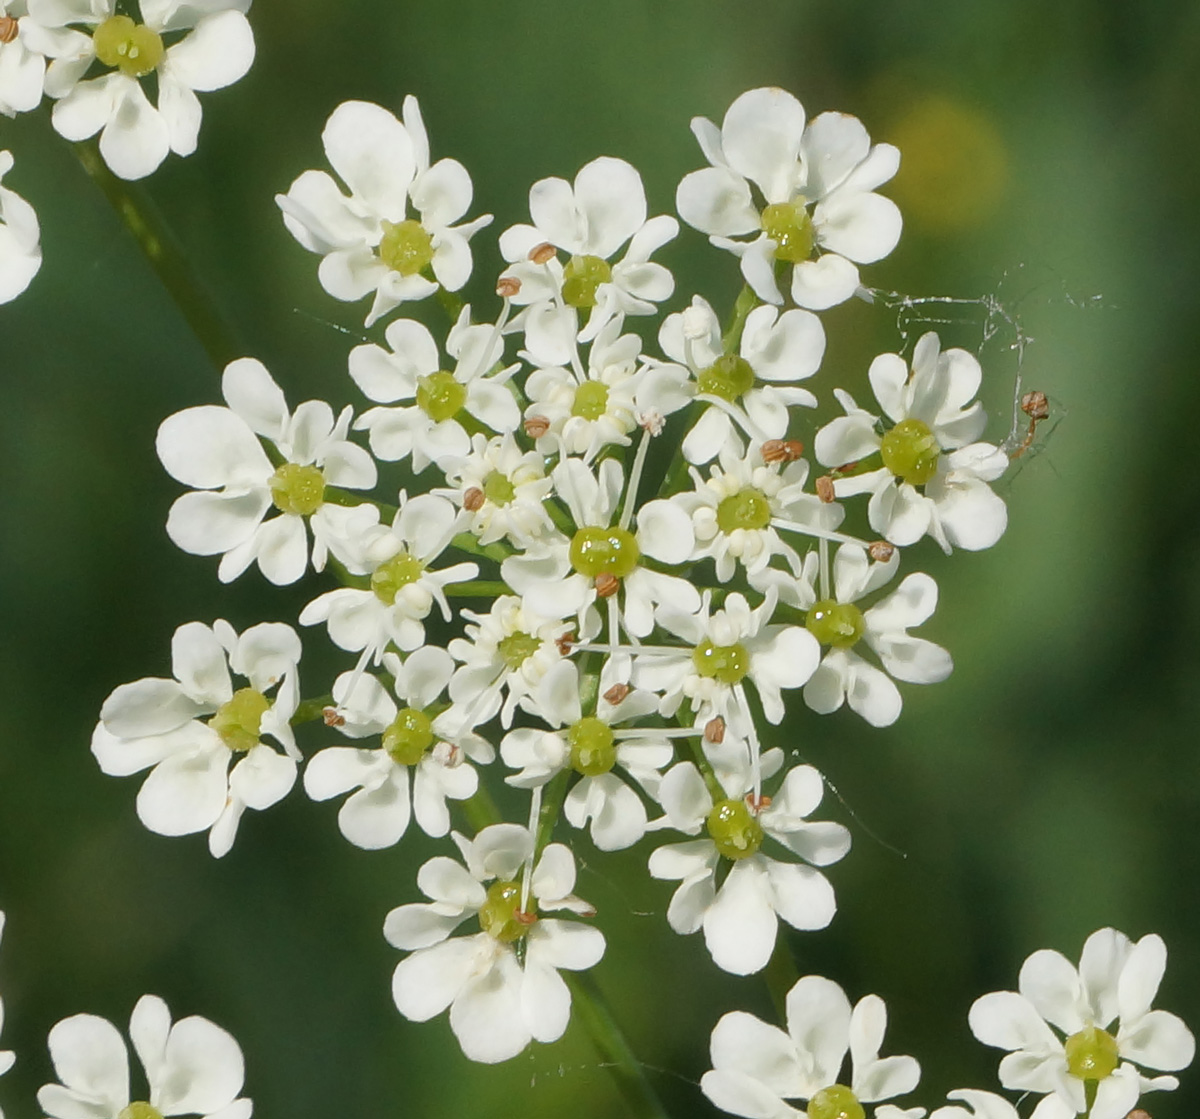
{"x": 757, "y": 1067}
{"x": 593, "y": 746}
{"x": 367, "y": 240}
{"x": 206, "y": 773}
{"x": 1103, "y": 1010}
{"x": 377, "y": 814}
{"x": 20, "y": 249}
{"x": 217, "y": 450}
{"x": 739, "y": 919}
{"x": 829, "y": 166}
{"x": 498, "y": 1002}
{"x": 7, "y": 1057}
{"x": 591, "y": 220}
{"x": 135, "y": 136}
{"x": 839, "y": 625}
{"x": 930, "y": 445}
{"x": 431, "y": 428}
{"x": 193, "y": 1067}
{"x": 22, "y": 60}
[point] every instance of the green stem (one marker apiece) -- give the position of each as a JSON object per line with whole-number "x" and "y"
{"x": 476, "y": 588}
{"x": 745, "y": 303}
{"x": 166, "y": 256}
{"x": 309, "y": 710}
{"x": 552, "y": 801}
{"x": 780, "y": 975}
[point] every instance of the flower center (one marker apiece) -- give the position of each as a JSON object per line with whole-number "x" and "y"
{"x": 835, "y": 623}
{"x": 409, "y": 736}
{"x": 581, "y": 277}
{"x": 591, "y": 400}
{"x": 726, "y": 663}
{"x": 790, "y": 227}
{"x": 501, "y": 915}
{"x": 604, "y": 551}
{"x": 748, "y": 508}
{"x": 835, "y": 1102}
{"x": 297, "y": 489}
{"x": 440, "y": 396}
{"x": 405, "y": 247}
{"x": 498, "y": 488}
{"x": 139, "y": 1110}
{"x": 1091, "y": 1054}
{"x": 389, "y": 577}
{"x": 729, "y": 377}
{"x": 129, "y": 47}
{"x": 592, "y": 749}
{"x": 517, "y": 648}
{"x": 239, "y": 719}
{"x": 910, "y": 451}
{"x": 734, "y": 830}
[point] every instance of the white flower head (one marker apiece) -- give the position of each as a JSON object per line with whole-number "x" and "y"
{"x": 218, "y": 451}
{"x": 758, "y": 1067}
{"x": 215, "y": 49}
{"x": 1102, "y": 1010}
{"x": 816, "y": 180}
{"x": 22, "y": 59}
{"x": 193, "y": 1067}
{"x": 498, "y": 1001}
{"x": 934, "y": 477}
{"x": 367, "y": 239}
{"x": 202, "y": 737}
{"x": 20, "y": 245}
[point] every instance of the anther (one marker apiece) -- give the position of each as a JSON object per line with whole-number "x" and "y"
{"x": 332, "y": 718}
{"x": 447, "y": 754}
{"x": 757, "y": 804}
{"x": 536, "y": 426}
{"x": 714, "y": 731}
{"x": 523, "y": 918}
{"x": 782, "y": 450}
{"x": 617, "y": 693}
{"x": 507, "y": 287}
{"x": 1036, "y": 407}
{"x": 824, "y": 486}
{"x": 8, "y": 29}
{"x": 1138, "y": 1113}
{"x": 542, "y": 254}
{"x": 652, "y": 422}
{"x": 607, "y": 584}
{"x": 881, "y": 551}
{"x": 564, "y": 642}
{"x": 473, "y": 499}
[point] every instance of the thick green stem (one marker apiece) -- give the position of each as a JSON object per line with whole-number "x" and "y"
{"x": 746, "y": 302}
{"x": 166, "y": 256}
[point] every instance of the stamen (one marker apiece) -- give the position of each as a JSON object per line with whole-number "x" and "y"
{"x": 8, "y": 29}
{"x": 819, "y": 533}
{"x": 332, "y": 718}
{"x": 825, "y": 492}
{"x": 535, "y": 810}
{"x": 635, "y": 477}
{"x": 714, "y": 731}
{"x": 508, "y": 286}
{"x": 543, "y": 253}
{"x": 782, "y": 450}
{"x": 473, "y": 499}
{"x": 607, "y": 585}
{"x": 617, "y": 694}
{"x": 881, "y": 551}
{"x": 536, "y": 426}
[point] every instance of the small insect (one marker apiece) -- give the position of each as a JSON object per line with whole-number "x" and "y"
{"x": 1037, "y": 408}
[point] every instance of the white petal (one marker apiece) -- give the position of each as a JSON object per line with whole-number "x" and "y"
{"x": 740, "y": 925}
{"x": 202, "y": 1071}
{"x": 216, "y": 53}
{"x": 373, "y": 153}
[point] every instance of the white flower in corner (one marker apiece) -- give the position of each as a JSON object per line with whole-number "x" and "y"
{"x": 498, "y": 1001}
{"x": 1102, "y": 1009}
{"x": 193, "y": 1067}
{"x": 758, "y": 1067}
{"x": 203, "y": 738}
{"x": 20, "y": 247}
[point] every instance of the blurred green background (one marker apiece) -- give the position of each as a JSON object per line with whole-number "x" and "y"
{"x": 1047, "y": 789}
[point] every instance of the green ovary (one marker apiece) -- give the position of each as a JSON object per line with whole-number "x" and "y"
{"x": 139, "y": 1110}
{"x": 736, "y": 833}
{"x": 440, "y": 396}
{"x": 604, "y": 551}
{"x": 498, "y": 488}
{"x": 910, "y": 451}
{"x": 729, "y": 377}
{"x": 239, "y": 719}
{"x": 790, "y": 227}
{"x": 591, "y": 400}
{"x": 389, "y": 577}
{"x": 405, "y": 247}
{"x": 498, "y": 917}
{"x": 408, "y": 737}
{"x": 748, "y": 508}
{"x": 592, "y": 748}
{"x": 1092, "y": 1054}
{"x": 726, "y": 663}
{"x": 835, "y": 1102}
{"x": 298, "y": 489}
{"x": 517, "y": 648}
{"x": 835, "y": 623}
{"x": 581, "y": 277}
{"x": 129, "y": 47}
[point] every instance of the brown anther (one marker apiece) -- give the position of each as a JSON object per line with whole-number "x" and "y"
{"x": 8, "y": 29}
{"x": 881, "y": 551}
{"x": 507, "y": 286}
{"x": 824, "y": 486}
{"x": 473, "y": 499}
{"x": 536, "y": 426}
{"x": 617, "y": 693}
{"x": 782, "y": 450}
{"x": 564, "y": 642}
{"x": 607, "y": 584}
{"x": 757, "y": 804}
{"x": 543, "y": 253}
{"x": 332, "y": 718}
{"x": 714, "y": 731}
{"x": 1138, "y": 1113}
{"x": 1035, "y": 405}
{"x": 523, "y": 918}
